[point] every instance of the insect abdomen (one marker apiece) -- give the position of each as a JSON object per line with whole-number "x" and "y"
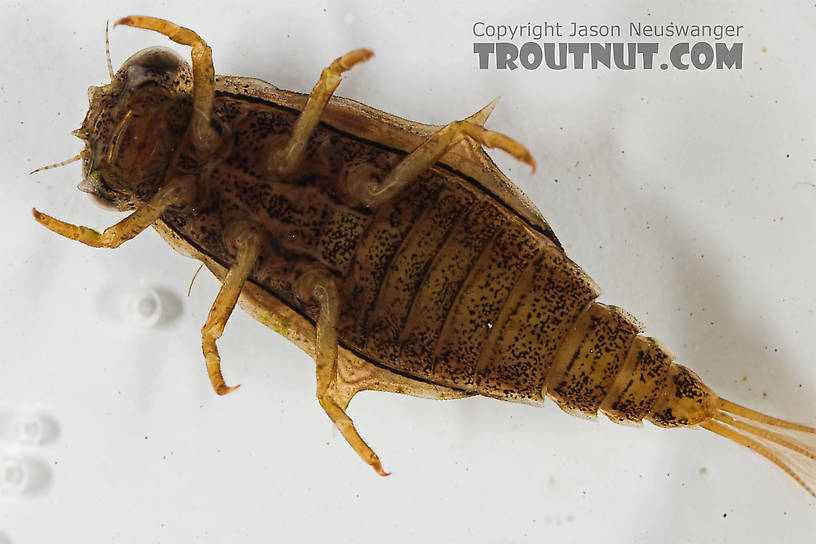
{"x": 450, "y": 288}
{"x": 447, "y": 285}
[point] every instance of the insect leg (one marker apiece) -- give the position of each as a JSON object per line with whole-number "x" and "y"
{"x": 320, "y": 286}
{"x": 177, "y": 191}
{"x": 284, "y": 161}
{"x": 355, "y": 375}
{"x": 205, "y": 137}
{"x": 362, "y": 182}
{"x": 248, "y": 240}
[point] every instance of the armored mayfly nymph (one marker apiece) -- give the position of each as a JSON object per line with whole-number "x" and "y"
{"x": 396, "y": 254}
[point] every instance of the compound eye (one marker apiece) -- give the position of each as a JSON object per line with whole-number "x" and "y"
{"x": 152, "y": 64}
{"x": 154, "y": 58}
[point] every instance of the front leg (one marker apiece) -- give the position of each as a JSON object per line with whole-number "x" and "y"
{"x": 320, "y": 286}
{"x": 177, "y": 191}
{"x": 205, "y": 137}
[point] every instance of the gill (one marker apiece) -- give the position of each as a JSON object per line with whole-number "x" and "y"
{"x": 79, "y": 132}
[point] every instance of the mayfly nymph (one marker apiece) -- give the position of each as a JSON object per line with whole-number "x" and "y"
{"x": 396, "y": 254}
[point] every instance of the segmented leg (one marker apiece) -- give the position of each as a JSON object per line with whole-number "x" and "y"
{"x": 286, "y": 160}
{"x": 176, "y": 191}
{"x": 355, "y": 375}
{"x": 320, "y": 286}
{"x": 362, "y": 182}
{"x": 205, "y": 137}
{"x": 248, "y": 240}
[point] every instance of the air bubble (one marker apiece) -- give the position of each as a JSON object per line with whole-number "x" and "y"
{"x": 143, "y": 307}
{"x": 30, "y": 429}
{"x": 13, "y": 476}
{"x": 27, "y": 428}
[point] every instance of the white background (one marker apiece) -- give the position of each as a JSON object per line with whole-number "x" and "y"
{"x": 684, "y": 195}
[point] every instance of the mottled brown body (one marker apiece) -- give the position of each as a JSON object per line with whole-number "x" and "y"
{"x": 428, "y": 273}
{"x": 445, "y": 284}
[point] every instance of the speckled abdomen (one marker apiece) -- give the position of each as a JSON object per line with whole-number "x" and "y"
{"x": 448, "y": 287}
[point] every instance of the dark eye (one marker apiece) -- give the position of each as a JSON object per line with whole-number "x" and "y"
{"x": 155, "y": 58}
{"x": 152, "y": 64}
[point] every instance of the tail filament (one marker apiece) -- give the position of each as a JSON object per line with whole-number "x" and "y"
{"x": 790, "y": 446}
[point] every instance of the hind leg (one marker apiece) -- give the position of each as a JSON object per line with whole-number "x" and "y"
{"x": 322, "y": 288}
{"x": 340, "y": 378}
